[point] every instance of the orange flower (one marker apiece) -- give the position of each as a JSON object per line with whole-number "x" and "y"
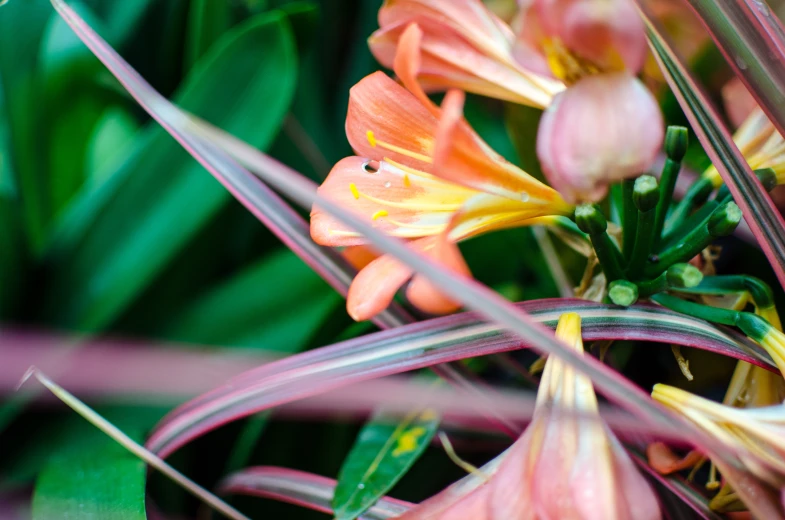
{"x": 566, "y": 465}
{"x": 464, "y": 46}
{"x": 422, "y": 174}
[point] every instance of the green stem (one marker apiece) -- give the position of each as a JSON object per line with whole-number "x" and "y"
{"x": 650, "y": 287}
{"x": 670, "y": 172}
{"x": 608, "y": 255}
{"x": 630, "y": 218}
{"x": 722, "y": 222}
{"x": 753, "y": 326}
{"x": 643, "y": 243}
{"x": 759, "y": 291}
{"x": 695, "y": 196}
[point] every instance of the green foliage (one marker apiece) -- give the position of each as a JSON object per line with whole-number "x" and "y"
{"x": 384, "y": 451}
{"x": 96, "y": 484}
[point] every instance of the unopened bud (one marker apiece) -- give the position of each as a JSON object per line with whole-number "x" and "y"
{"x": 767, "y": 177}
{"x": 646, "y": 193}
{"x": 623, "y": 292}
{"x": 684, "y": 276}
{"x": 724, "y": 220}
{"x": 590, "y": 219}
{"x": 676, "y": 142}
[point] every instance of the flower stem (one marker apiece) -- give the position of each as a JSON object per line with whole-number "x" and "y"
{"x": 695, "y": 196}
{"x": 629, "y": 218}
{"x": 760, "y": 292}
{"x": 722, "y": 222}
{"x": 675, "y": 147}
{"x": 646, "y": 196}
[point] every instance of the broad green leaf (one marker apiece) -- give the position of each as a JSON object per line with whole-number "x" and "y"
{"x": 276, "y": 304}
{"x": 66, "y": 436}
{"x": 207, "y": 21}
{"x": 97, "y": 484}
{"x": 115, "y": 130}
{"x": 21, "y": 28}
{"x": 121, "y": 233}
{"x": 11, "y": 239}
{"x": 385, "y": 450}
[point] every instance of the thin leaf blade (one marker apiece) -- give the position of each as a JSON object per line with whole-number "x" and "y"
{"x": 424, "y": 344}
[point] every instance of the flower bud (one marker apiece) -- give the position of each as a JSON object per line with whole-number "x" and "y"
{"x": 684, "y": 276}
{"x": 623, "y": 292}
{"x": 646, "y": 193}
{"x": 724, "y": 220}
{"x": 603, "y": 129}
{"x": 590, "y": 219}
{"x": 676, "y": 142}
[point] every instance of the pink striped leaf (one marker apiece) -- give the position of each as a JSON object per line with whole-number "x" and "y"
{"x": 424, "y": 344}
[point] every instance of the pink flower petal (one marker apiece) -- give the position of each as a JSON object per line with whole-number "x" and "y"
{"x": 603, "y": 129}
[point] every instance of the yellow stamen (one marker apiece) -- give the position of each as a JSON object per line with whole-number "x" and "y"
{"x": 406, "y": 181}
{"x": 378, "y": 214}
{"x": 355, "y": 191}
{"x": 397, "y": 149}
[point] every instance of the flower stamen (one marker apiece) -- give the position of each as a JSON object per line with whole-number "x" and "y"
{"x": 397, "y": 149}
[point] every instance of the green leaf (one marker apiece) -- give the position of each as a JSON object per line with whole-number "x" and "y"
{"x": 385, "y": 450}
{"x": 114, "y": 130}
{"x": 120, "y": 234}
{"x": 207, "y": 21}
{"x": 101, "y": 484}
{"x": 21, "y": 27}
{"x": 276, "y": 304}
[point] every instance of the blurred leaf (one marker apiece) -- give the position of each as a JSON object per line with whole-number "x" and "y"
{"x": 207, "y": 21}
{"x": 115, "y": 130}
{"x": 11, "y": 239}
{"x": 120, "y": 234}
{"x": 66, "y": 436}
{"x": 276, "y": 304}
{"x": 384, "y": 451}
{"x": 99, "y": 484}
{"x": 21, "y": 29}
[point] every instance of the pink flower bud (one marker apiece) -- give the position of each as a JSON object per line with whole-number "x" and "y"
{"x": 603, "y": 129}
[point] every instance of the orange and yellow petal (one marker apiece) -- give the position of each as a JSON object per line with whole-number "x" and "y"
{"x": 400, "y": 201}
{"x": 423, "y": 294}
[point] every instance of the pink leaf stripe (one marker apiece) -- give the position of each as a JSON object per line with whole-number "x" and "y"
{"x": 303, "y": 489}
{"x": 423, "y": 344}
{"x": 115, "y": 369}
{"x": 475, "y": 296}
{"x": 759, "y": 211}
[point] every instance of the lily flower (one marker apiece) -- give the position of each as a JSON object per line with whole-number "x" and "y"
{"x": 464, "y": 46}
{"x": 757, "y": 435}
{"x": 421, "y": 173}
{"x": 566, "y": 465}
{"x": 606, "y": 126}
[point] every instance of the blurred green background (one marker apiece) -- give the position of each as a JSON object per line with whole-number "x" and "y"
{"x": 108, "y": 227}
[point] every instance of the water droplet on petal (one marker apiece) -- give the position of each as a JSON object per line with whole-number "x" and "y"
{"x": 360, "y": 486}
{"x": 524, "y": 196}
{"x": 387, "y": 184}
